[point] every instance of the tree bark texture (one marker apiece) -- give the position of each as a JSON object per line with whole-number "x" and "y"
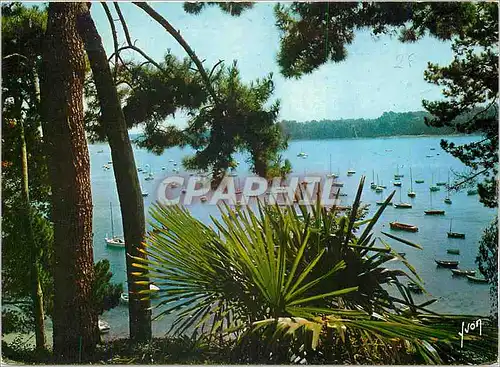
{"x": 63, "y": 71}
{"x": 127, "y": 180}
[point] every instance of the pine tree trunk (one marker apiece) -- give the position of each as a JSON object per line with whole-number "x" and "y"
{"x": 75, "y": 320}
{"x": 127, "y": 180}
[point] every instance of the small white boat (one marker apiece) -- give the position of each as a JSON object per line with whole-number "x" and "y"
{"x": 145, "y": 193}
{"x": 103, "y": 326}
{"x": 124, "y": 297}
{"x": 170, "y": 160}
{"x": 114, "y": 241}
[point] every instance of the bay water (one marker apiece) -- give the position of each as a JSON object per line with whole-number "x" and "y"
{"x": 379, "y": 157}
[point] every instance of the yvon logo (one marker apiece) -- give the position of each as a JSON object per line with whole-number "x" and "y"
{"x": 466, "y": 328}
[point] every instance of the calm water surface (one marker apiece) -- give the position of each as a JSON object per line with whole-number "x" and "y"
{"x": 370, "y": 157}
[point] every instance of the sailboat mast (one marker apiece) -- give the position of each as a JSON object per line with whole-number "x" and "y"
{"x": 451, "y": 220}
{"x": 411, "y": 181}
{"x": 112, "y": 227}
{"x": 448, "y": 187}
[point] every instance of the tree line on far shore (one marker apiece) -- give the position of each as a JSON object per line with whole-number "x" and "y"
{"x": 389, "y": 124}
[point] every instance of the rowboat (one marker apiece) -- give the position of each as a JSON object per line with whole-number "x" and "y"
{"x": 382, "y": 203}
{"x": 403, "y": 227}
{"x": 403, "y": 206}
{"x": 434, "y": 212}
{"x": 460, "y": 272}
{"x": 447, "y": 263}
{"x": 475, "y": 279}
{"x": 453, "y": 251}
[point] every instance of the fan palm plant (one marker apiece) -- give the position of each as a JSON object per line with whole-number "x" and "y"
{"x": 284, "y": 271}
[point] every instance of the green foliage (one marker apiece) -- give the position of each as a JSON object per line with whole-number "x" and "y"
{"x": 487, "y": 261}
{"x": 279, "y": 282}
{"x": 240, "y": 120}
{"x": 230, "y": 7}
{"x": 106, "y": 295}
{"x": 470, "y": 85}
{"x": 389, "y": 124}
{"x": 316, "y": 33}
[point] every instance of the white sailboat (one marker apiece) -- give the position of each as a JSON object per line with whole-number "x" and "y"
{"x": 411, "y": 193}
{"x": 402, "y": 205}
{"x": 447, "y": 199}
{"x": 114, "y": 241}
{"x": 331, "y": 174}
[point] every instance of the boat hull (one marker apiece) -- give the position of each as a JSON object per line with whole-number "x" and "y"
{"x": 447, "y": 264}
{"x": 474, "y": 279}
{"x": 460, "y": 272}
{"x": 434, "y": 212}
{"x": 403, "y": 227}
{"x": 456, "y": 235}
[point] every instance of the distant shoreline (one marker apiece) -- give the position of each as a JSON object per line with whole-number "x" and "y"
{"x": 384, "y": 137}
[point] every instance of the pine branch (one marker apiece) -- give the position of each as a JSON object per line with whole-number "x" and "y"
{"x": 177, "y": 36}
{"x": 115, "y": 37}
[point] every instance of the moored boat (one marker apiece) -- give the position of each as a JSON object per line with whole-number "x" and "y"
{"x": 475, "y": 279}
{"x": 434, "y": 212}
{"x": 453, "y": 251}
{"x": 403, "y": 226}
{"x": 403, "y": 206}
{"x": 113, "y": 241}
{"x": 124, "y": 297}
{"x": 411, "y": 193}
{"x": 419, "y": 181}
{"x": 461, "y": 272}
{"x": 447, "y": 263}
{"x": 103, "y": 326}
{"x": 452, "y": 234}
{"x": 456, "y": 235}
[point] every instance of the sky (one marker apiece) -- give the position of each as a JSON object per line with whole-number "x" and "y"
{"x": 380, "y": 74}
